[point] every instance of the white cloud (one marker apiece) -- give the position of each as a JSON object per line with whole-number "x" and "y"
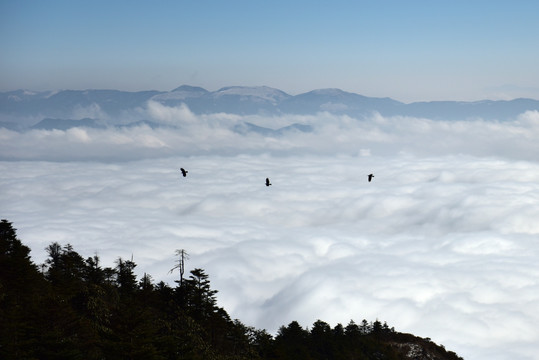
{"x": 213, "y": 134}
{"x": 170, "y": 115}
{"x": 442, "y": 243}
{"x": 78, "y": 135}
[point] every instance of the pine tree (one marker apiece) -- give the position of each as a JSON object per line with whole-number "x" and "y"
{"x": 365, "y": 328}
{"x": 21, "y": 286}
{"x": 201, "y": 299}
{"x": 376, "y": 327}
{"x": 291, "y": 342}
{"x": 352, "y": 330}
{"x": 125, "y": 276}
{"x": 94, "y": 274}
{"x": 322, "y": 340}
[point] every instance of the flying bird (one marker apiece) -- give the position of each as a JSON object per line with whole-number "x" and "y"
{"x": 370, "y": 177}
{"x": 267, "y": 182}
{"x": 184, "y": 172}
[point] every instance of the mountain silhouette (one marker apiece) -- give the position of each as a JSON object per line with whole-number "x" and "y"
{"x": 241, "y": 100}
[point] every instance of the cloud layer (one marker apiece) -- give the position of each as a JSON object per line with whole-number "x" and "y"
{"x": 442, "y": 243}
{"x": 187, "y": 134}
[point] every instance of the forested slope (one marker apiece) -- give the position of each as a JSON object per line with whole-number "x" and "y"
{"x": 73, "y": 308}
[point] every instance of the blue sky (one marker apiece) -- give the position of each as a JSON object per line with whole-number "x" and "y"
{"x": 410, "y": 51}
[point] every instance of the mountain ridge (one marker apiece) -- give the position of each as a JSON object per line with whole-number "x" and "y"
{"x": 241, "y": 100}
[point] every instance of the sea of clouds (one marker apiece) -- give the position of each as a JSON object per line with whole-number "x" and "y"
{"x": 443, "y": 243}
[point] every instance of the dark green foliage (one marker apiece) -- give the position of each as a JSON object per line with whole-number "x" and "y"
{"x": 71, "y": 308}
{"x": 201, "y": 300}
{"x": 125, "y": 276}
{"x": 291, "y": 342}
{"x": 21, "y": 286}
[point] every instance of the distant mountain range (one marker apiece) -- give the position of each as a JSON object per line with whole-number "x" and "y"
{"x": 89, "y": 106}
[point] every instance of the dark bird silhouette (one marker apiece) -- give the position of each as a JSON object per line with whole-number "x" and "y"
{"x": 370, "y": 177}
{"x": 267, "y": 182}
{"x": 184, "y": 172}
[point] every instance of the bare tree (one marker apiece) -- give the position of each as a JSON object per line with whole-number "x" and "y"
{"x": 182, "y": 256}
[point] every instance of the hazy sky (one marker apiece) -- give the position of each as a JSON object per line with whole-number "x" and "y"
{"x": 407, "y": 50}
